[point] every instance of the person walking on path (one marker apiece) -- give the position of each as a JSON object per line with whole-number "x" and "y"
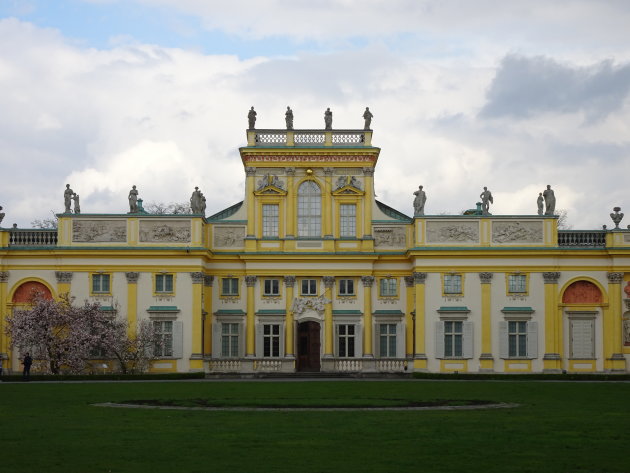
{"x": 28, "y": 361}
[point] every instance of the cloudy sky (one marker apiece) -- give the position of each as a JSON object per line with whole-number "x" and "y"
{"x": 103, "y": 94}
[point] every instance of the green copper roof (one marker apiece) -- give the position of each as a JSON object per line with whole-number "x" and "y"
{"x": 393, "y": 213}
{"x": 528, "y": 310}
{"x": 223, "y": 214}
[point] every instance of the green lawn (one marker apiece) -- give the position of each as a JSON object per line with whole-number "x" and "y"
{"x": 559, "y": 427}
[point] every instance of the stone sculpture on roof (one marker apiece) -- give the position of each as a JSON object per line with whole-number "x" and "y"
{"x": 77, "y": 205}
{"x": 133, "y": 200}
{"x": 67, "y": 198}
{"x": 540, "y": 203}
{"x": 251, "y": 118}
{"x": 419, "y": 201}
{"x": 288, "y": 118}
{"x": 486, "y": 200}
{"x": 550, "y": 201}
{"x": 328, "y": 119}
{"x": 367, "y": 116}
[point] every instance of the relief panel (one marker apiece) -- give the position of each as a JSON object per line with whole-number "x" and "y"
{"x": 452, "y": 232}
{"x": 393, "y": 237}
{"x": 229, "y": 237}
{"x": 99, "y": 231}
{"x": 517, "y": 232}
{"x": 165, "y": 231}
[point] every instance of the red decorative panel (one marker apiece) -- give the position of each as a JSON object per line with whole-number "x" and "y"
{"x": 25, "y": 292}
{"x": 582, "y": 292}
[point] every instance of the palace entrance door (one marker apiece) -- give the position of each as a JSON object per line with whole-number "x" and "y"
{"x": 308, "y": 346}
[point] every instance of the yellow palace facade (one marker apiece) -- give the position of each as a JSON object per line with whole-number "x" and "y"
{"x": 311, "y": 273}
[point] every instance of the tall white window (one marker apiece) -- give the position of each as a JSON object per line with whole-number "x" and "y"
{"x": 271, "y": 340}
{"x": 517, "y": 283}
{"x": 452, "y": 284}
{"x": 345, "y": 340}
{"x": 309, "y": 210}
{"x": 270, "y": 220}
{"x": 387, "y": 340}
{"x": 348, "y": 220}
{"x": 229, "y": 340}
{"x": 164, "y": 334}
{"x": 518, "y": 339}
{"x": 454, "y": 339}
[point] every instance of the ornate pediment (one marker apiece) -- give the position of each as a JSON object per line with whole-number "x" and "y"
{"x": 348, "y": 190}
{"x": 348, "y": 185}
{"x": 270, "y": 190}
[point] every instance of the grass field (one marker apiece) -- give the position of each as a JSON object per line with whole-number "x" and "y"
{"x": 559, "y": 427}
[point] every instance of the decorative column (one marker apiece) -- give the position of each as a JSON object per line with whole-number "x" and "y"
{"x": 196, "y": 359}
{"x": 250, "y": 243}
{"x": 289, "y": 282}
{"x": 368, "y": 282}
{"x": 552, "y": 361}
{"x": 368, "y": 240}
{"x": 250, "y": 326}
{"x": 327, "y": 203}
{"x": 486, "y": 360}
{"x": 64, "y": 278}
{"x": 207, "y": 315}
{"x": 329, "y": 283}
{"x": 613, "y": 342}
{"x": 290, "y": 202}
{"x": 420, "y": 357}
{"x": 132, "y": 303}
{"x": 4, "y": 344}
{"x": 410, "y": 315}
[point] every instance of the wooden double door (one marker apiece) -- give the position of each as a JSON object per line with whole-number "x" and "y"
{"x": 308, "y": 346}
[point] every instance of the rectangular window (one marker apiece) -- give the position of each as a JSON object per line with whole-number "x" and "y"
{"x": 346, "y": 287}
{"x": 517, "y": 283}
{"x": 309, "y": 287}
{"x": 100, "y": 283}
{"x": 452, "y": 284}
{"x": 164, "y": 283}
{"x": 345, "y": 341}
{"x": 517, "y": 339}
{"x": 453, "y": 339}
{"x": 271, "y": 287}
{"x": 229, "y": 340}
{"x": 271, "y": 340}
{"x": 270, "y": 220}
{"x": 229, "y": 286}
{"x": 164, "y": 333}
{"x": 387, "y": 340}
{"x": 388, "y": 287}
{"x": 348, "y": 220}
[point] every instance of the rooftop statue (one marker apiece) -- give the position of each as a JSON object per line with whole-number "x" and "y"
{"x": 328, "y": 119}
{"x": 133, "y": 200}
{"x": 77, "y": 205}
{"x": 67, "y": 198}
{"x": 196, "y": 202}
{"x": 251, "y": 118}
{"x": 367, "y": 116}
{"x": 550, "y": 201}
{"x": 539, "y": 202}
{"x": 486, "y": 200}
{"x": 288, "y": 117}
{"x": 419, "y": 201}
{"x": 1, "y": 214}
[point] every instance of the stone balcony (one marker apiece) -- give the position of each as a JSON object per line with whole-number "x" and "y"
{"x": 309, "y": 138}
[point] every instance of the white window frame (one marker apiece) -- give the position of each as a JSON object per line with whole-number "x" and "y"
{"x": 453, "y": 284}
{"x": 270, "y": 220}
{"x": 358, "y": 335}
{"x": 161, "y": 286}
{"x": 177, "y": 334}
{"x": 232, "y": 291}
{"x": 100, "y": 277}
{"x": 507, "y": 338}
{"x": 348, "y": 220}
{"x": 309, "y": 211}
{"x": 517, "y": 284}
{"x": 261, "y": 336}
{"x": 270, "y": 289}
{"x": 311, "y": 287}
{"x": 388, "y": 287}
{"x": 217, "y": 333}
{"x": 467, "y": 336}
{"x": 342, "y": 287}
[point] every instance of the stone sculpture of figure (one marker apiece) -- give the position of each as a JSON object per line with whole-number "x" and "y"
{"x": 1, "y": 214}
{"x": 418, "y": 201}
{"x": 77, "y": 205}
{"x": 133, "y": 200}
{"x": 203, "y": 204}
{"x": 251, "y": 117}
{"x": 539, "y": 202}
{"x": 328, "y": 119}
{"x": 486, "y": 200}
{"x": 195, "y": 201}
{"x": 67, "y": 198}
{"x": 550, "y": 201}
{"x": 367, "y": 116}
{"x": 288, "y": 117}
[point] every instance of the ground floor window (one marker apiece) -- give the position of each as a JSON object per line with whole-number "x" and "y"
{"x": 229, "y": 340}
{"x": 387, "y": 340}
{"x": 346, "y": 340}
{"x": 271, "y": 340}
{"x": 164, "y": 334}
{"x": 454, "y": 339}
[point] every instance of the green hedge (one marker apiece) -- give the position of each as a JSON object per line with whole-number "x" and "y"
{"x": 527, "y": 376}
{"x": 104, "y": 377}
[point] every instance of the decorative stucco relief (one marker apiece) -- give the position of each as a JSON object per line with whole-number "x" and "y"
{"x": 228, "y": 237}
{"x": 389, "y": 236}
{"x": 165, "y": 231}
{"x": 99, "y": 231}
{"x": 517, "y": 232}
{"x": 455, "y": 232}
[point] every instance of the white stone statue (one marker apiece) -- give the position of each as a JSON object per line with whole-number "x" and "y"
{"x": 486, "y": 200}
{"x": 288, "y": 117}
{"x": 133, "y": 200}
{"x": 367, "y": 116}
{"x": 550, "y": 201}
{"x": 77, "y": 205}
{"x": 328, "y": 119}
{"x": 195, "y": 201}
{"x": 67, "y": 198}
{"x": 539, "y": 202}
{"x": 419, "y": 201}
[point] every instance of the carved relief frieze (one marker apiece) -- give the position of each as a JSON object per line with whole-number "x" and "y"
{"x": 228, "y": 237}
{"x": 393, "y": 237}
{"x": 99, "y": 231}
{"x": 517, "y": 232}
{"x": 165, "y": 231}
{"x": 452, "y": 232}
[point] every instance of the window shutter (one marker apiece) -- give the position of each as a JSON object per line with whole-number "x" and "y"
{"x": 532, "y": 339}
{"x": 178, "y": 339}
{"x": 241, "y": 339}
{"x": 467, "y": 349}
{"x": 216, "y": 340}
{"x": 504, "y": 344}
{"x": 439, "y": 339}
{"x": 259, "y": 341}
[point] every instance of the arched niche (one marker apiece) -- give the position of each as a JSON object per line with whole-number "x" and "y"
{"x": 25, "y": 291}
{"x": 583, "y": 292}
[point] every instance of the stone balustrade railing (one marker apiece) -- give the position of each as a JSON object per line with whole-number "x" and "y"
{"x": 582, "y": 238}
{"x": 308, "y": 138}
{"x": 32, "y": 237}
{"x": 391, "y": 366}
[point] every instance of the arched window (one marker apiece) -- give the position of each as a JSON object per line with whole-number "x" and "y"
{"x": 582, "y": 292}
{"x": 309, "y": 210}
